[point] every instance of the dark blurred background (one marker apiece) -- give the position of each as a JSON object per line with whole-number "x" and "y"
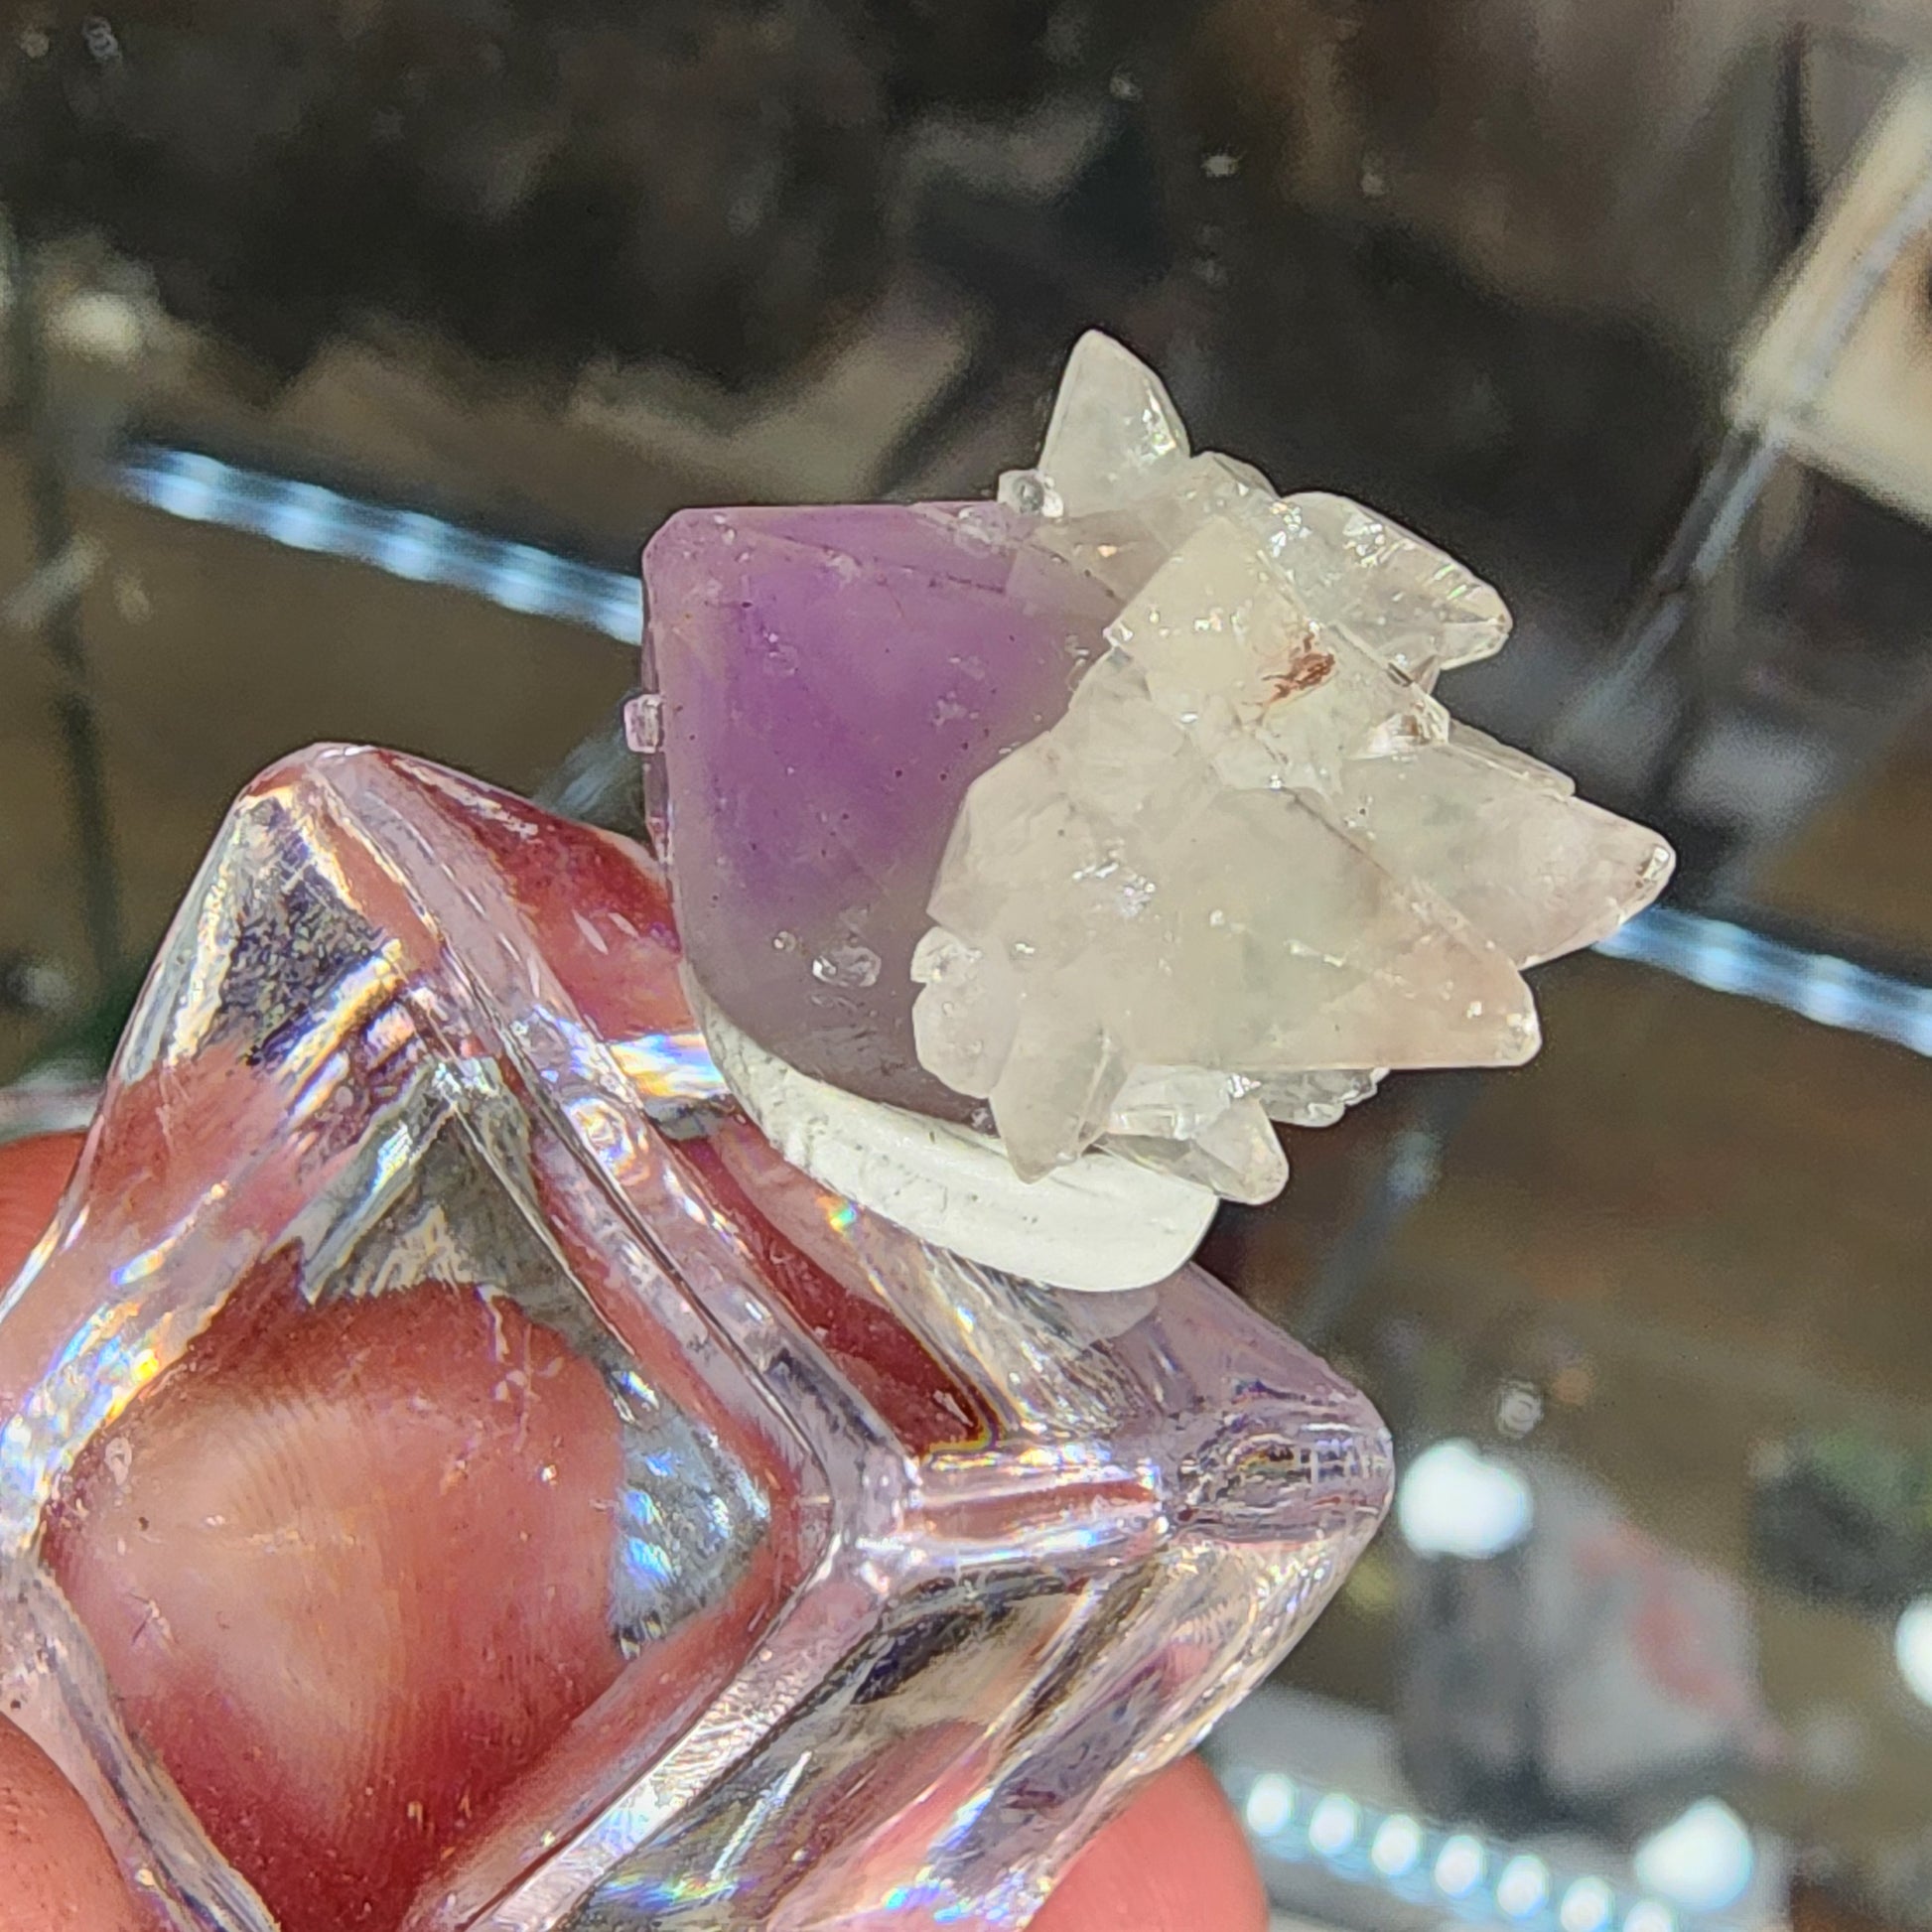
{"x": 350, "y": 351}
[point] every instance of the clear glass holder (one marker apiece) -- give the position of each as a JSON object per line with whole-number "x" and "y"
{"x": 912, "y": 1571}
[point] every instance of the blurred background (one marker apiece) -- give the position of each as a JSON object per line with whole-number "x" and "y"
{"x": 349, "y": 353}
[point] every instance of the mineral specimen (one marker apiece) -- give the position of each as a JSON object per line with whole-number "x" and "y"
{"x": 1138, "y": 773}
{"x": 832, "y": 680}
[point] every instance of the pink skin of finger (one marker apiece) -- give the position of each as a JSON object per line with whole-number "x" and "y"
{"x": 1174, "y": 1862}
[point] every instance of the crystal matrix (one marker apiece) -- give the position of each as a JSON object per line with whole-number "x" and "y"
{"x": 1256, "y": 864}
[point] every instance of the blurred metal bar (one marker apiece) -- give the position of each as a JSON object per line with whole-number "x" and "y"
{"x": 1785, "y": 364}
{"x": 1715, "y": 953}
{"x": 1410, "y": 1169}
{"x": 1731, "y": 958}
{"x": 1725, "y": 495}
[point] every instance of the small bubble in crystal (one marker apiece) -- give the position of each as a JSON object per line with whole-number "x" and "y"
{"x": 976, "y": 527}
{"x": 847, "y": 966}
{"x": 1029, "y": 493}
{"x": 784, "y": 943}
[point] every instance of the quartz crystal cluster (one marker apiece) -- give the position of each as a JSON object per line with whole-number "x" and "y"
{"x": 1123, "y": 806}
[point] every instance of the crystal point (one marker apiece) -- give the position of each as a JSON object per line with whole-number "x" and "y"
{"x": 1114, "y": 433}
{"x": 1417, "y": 609}
{"x": 1541, "y": 872}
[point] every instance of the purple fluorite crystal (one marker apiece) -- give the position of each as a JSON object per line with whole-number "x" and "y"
{"x": 831, "y": 681}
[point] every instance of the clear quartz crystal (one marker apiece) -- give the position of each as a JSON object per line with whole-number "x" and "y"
{"x": 454, "y": 1475}
{"x": 1255, "y": 857}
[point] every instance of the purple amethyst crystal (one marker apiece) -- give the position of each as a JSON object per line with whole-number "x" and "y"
{"x": 831, "y": 681}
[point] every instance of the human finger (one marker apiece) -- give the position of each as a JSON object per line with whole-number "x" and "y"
{"x": 1174, "y": 1860}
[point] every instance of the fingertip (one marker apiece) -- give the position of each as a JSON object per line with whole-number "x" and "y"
{"x": 60, "y": 1874}
{"x": 33, "y": 1175}
{"x": 1174, "y": 1860}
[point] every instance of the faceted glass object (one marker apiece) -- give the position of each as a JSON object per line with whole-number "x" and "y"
{"x": 845, "y": 1585}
